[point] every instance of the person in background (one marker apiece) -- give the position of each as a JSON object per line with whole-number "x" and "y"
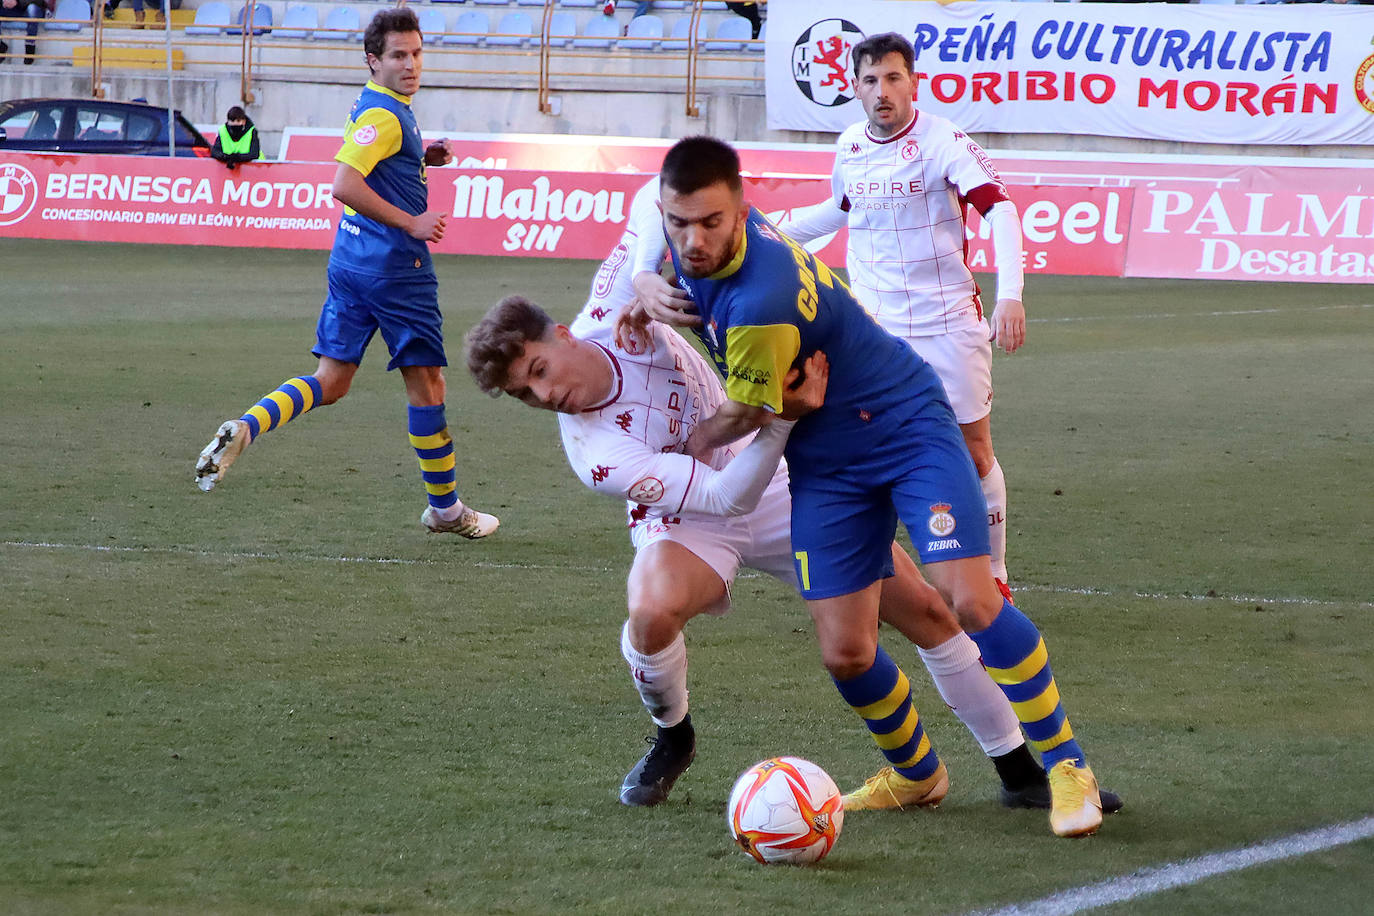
{"x": 32, "y": 10}
{"x": 238, "y": 139}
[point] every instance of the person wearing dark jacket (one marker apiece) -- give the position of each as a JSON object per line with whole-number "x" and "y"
{"x": 238, "y": 139}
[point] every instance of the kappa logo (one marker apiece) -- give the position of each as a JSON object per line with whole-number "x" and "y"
{"x": 941, "y": 522}
{"x": 364, "y": 135}
{"x": 624, "y": 420}
{"x": 599, "y": 313}
{"x": 855, "y": 149}
{"x": 18, "y": 193}
{"x": 820, "y": 61}
{"x": 601, "y": 472}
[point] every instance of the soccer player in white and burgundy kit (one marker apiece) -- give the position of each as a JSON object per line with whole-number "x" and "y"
{"x": 625, "y": 414}
{"x": 901, "y": 182}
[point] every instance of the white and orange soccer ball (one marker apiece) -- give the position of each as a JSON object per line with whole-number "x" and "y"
{"x": 785, "y": 810}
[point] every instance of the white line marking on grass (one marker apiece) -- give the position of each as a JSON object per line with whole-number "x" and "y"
{"x": 744, "y": 573}
{"x": 1189, "y": 871}
{"x": 1155, "y": 315}
{"x": 1187, "y": 596}
{"x": 314, "y": 558}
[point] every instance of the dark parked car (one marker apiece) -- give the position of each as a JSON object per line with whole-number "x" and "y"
{"x": 94, "y": 126}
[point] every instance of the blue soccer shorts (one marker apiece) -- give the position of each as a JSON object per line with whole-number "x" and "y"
{"x": 843, "y": 521}
{"x": 405, "y": 310}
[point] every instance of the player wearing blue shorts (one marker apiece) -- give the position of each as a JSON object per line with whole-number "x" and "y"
{"x": 884, "y": 446}
{"x": 381, "y": 278}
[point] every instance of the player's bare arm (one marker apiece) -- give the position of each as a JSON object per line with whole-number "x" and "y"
{"x": 438, "y": 153}
{"x": 733, "y": 421}
{"x": 350, "y": 188}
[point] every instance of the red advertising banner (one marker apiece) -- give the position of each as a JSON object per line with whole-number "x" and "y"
{"x": 1137, "y": 218}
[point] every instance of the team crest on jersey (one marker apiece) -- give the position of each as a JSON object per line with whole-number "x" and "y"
{"x": 941, "y": 522}
{"x": 647, "y": 490}
{"x": 364, "y": 135}
{"x": 910, "y": 150}
{"x": 820, "y": 61}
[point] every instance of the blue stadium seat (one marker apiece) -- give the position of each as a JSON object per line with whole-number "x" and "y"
{"x": 431, "y": 23}
{"x": 731, "y": 34}
{"x": 577, "y": 3}
{"x": 529, "y": 2}
{"x": 562, "y": 28}
{"x": 300, "y": 21}
{"x": 342, "y": 23}
{"x": 677, "y": 40}
{"x": 599, "y": 32}
{"x": 644, "y": 33}
{"x": 211, "y": 19}
{"x": 470, "y": 29}
{"x": 490, "y": 2}
{"x": 514, "y": 30}
{"x": 67, "y": 9}
{"x": 262, "y": 20}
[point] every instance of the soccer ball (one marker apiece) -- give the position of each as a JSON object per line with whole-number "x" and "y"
{"x": 785, "y": 811}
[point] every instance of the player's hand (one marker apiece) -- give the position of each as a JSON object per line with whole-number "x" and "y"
{"x": 631, "y": 330}
{"x": 428, "y": 226}
{"x": 1009, "y": 324}
{"x": 803, "y": 390}
{"x": 664, "y": 302}
{"x": 438, "y": 153}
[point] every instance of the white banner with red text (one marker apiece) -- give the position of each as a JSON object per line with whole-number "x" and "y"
{"x": 1142, "y": 217}
{"x": 1298, "y": 74}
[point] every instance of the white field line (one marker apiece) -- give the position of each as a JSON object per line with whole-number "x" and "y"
{"x": 1190, "y": 871}
{"x": 1144, "y": 316}
{"x": 744, "y": 574}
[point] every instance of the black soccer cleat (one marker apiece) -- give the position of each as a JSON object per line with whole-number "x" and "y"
{"x": 654, "y": 775}
{"x": 1037, "y": 795}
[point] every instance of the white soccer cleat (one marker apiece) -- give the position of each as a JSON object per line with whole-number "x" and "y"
{"x": 470, "y": 523}
{"x": 230, "y": 440}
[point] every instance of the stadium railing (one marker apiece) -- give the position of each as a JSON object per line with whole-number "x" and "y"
{"x": 541, "y": 45}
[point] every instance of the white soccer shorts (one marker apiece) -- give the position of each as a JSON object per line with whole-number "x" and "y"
{"x": 761, "y": 540}
{"x": 963, "y": 360}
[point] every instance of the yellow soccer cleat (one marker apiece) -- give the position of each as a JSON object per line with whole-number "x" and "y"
{"x": 890, "y": 789}
{"x": 1076, "y": 808}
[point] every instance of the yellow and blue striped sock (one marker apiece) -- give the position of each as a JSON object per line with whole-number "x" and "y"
{"x": 434, "y": 447}
{"x": 882, "y": 698}
{"x": 1014, "y": 654}
{"x": 293, "y": 398}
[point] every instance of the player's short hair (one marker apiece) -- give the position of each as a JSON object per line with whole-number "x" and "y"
{"x": 875, "y": 47}
{"x": 236, "y": 114}
{"x": 398, "y": 19}
{"x": 699, "y": 162}
{"x": 499, "y": 339}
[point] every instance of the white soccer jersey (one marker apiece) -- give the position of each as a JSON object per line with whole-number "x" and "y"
{"x": 906, "y": 256}
{"x": 641, "y": 247}
{"x": 631, "y": 446}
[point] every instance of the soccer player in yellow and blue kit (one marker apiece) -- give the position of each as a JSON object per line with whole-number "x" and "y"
{"x": 380, "y": 278}
{"x": 884, "y": 446}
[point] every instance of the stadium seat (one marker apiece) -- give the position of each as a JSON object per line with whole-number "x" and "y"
{"x": 677, "y": 40}
{"x": 211, "y": 19}
{"x": 67, "y": 9}
{"x": 470, "y": 29}
{"x": 599, "y": 32}
{"x": 758, "y": 45}
{"x": 644, "y": 33}
{"x": 342, "y": 23}
{"x": 529, "y": 2}
{"x": 579, "y": 3}
{"x": 514, "y": 30}
{"x": 490, "y": 2}
{"x": 562, "y": 28}
{"x": 669, "y": 4}
{"x": 731, "y": 34}
{"x": 262, "y": 20}
{"x": 13, "y": 25}
{"x": 300, "y": 21}
{"x": 432, "y": 23}
{"x": 715, "y": 5}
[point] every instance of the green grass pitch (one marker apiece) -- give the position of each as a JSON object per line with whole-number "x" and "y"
{"x": 284, "y": 696}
